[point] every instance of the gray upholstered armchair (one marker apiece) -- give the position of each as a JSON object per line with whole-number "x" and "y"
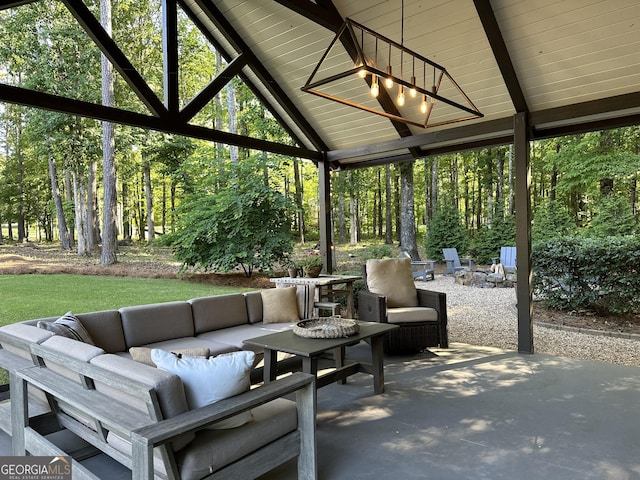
{"x": 391, "y": 297}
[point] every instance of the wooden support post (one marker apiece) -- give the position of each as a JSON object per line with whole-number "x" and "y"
{"x": 324, "y": 193}
{"x": 524, "y": 289}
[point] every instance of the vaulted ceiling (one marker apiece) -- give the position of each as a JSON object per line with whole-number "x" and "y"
{"x": 571, "y": 65}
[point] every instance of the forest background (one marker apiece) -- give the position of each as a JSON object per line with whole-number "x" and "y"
{"x": 89, "y": 185}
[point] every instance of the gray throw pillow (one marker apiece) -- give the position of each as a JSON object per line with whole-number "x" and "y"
{"x": 68, "y": 326}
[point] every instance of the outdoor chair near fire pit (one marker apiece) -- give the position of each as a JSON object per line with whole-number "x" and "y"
{"x": 507, "y": 259}
{"x": 392, "y": 297}
{"x": 454, "y": 262}
{"x": 423, "y": 269}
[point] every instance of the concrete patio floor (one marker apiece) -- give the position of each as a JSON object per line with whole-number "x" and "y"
{"x": 472, "y": 412}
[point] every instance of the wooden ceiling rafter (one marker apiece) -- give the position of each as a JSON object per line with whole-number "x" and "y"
{"x": 226, "y": 29}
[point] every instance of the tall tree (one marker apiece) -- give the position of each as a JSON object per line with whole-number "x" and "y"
{"x": 407, "y": 211}
{"x": 109, "y": 168}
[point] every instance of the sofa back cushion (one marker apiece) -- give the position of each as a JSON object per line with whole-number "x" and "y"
{"x": 220, "y": 311}
{"x": 254, "y": 306}
{"x": 144, "y": 324}
{"x": 105, "y": 328}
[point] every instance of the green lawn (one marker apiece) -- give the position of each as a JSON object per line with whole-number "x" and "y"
{"x": 26, "y": 297}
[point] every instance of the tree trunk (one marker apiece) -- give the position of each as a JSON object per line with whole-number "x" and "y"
{"x": 407, "y": 211}
{"x": 396, "y": 202}
{"x": 22, "y": 231}
{"x": 233, "y": 122}
{"x": 500, "y": 181}
{"x": 353, "y": 227}
{"x": 379, "y": 212}
{"x": 511, "y": 205}
{"x": 342, "y": 213}
{"x": 217, "y": 102}
{"x": 68, "y": 191}
{"x": 63, "y": 232}
{"x": 148, "y": 194}
{"x": 489, "y": 187}
{"x": 388, "y": 229}
{"x": 79, "y": 197}
{"x": 109, "y": 166}
{"x": 93, "y": 228}
{"x": 298, "y": 194}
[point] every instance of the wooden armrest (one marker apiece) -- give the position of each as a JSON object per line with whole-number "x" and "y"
{"x": 164, "y": 431}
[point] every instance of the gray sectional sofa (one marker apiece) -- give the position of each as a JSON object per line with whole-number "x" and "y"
{"x": 218, "y": 324}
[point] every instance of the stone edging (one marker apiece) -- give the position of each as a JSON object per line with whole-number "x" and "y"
{"x": 589, "y": 331}
{"x": 586, "y": 331}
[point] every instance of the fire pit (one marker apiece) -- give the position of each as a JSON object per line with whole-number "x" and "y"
{"x": 485, "y": 279}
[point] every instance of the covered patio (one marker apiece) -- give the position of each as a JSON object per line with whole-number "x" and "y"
{"x": 471, "y": 412}
{"x": 534, "y": 69}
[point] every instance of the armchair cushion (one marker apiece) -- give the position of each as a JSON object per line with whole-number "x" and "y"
{"x": 392, "y": 278}
{"x": 411, "y": 314}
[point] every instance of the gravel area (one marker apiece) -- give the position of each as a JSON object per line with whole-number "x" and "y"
{"x": 488, "y": 317}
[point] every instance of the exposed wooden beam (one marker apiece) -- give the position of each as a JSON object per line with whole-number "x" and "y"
{"x": 5, "y": 4}
{"x": 491, "y": 127}
{"x": 211, "y": 90}
{"x": 31, "y": 98}
{"x": 170, "y": 55}
{"x": 501, "y": 54}
{"x": 120, "y": 62}
{"x": 320, "y": 13}
{"x": 225, "y": 28}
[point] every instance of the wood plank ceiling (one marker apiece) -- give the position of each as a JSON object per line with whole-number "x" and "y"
{"x": 571, "y": 65}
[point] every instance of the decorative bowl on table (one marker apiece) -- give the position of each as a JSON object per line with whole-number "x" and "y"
{"x": 326, "y": 327}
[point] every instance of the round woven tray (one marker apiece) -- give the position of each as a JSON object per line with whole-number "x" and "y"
{"x": 326, "y": 327}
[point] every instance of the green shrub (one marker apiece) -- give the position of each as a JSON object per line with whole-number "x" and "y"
{"x": 589, "y": 273}
{"x": 487, "y": 241}
{"x": 446, "y": 230}
{"x": 380, "y": 251}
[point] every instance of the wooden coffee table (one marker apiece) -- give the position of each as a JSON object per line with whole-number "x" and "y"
{"x": 310, "y": 350}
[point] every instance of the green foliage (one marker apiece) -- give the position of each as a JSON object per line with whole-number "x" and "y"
{"x": 380, "y": 251}
{"x": 551, "y": 220}
{"x": 613, "y": 217}
{"x": 487, "y": 241}
{"x": 589, "y": 273}
{"x": 446, "y": 230}
{"x": 243, "y": 223}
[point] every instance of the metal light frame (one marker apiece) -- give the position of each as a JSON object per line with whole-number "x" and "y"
{"x": 355, "y": 49}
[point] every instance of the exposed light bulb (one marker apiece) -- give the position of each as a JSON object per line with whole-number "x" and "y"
{"x": 388, "y": 82}
{"x": 375, "y": 89}
{"x": 362, "y": 73}
{"x": 423, "y": 104}
{"x": 412, "y": 91}
{"x": 400, "y": 98}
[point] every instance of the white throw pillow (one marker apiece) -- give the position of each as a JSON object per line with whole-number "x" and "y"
{"x": 209, "y": 380}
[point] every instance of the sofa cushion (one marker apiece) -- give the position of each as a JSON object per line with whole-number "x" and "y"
{"x": 219, "y": 311}
{"x": 215, "y": 347}
{"x": 105, "y": 327}
{"x": 212, "y": 450}
{"x": 144, "y": 324}
{"x": 25, "y": 334}
{"x": 392, "y": 278}
{"x": 143, "y": 354}
{"x": 254, "y": 306}
{"x": 279, "y": 305}
{"x": 168, "y": 388}
{"x": 210, "y": 380}
{"x": 68, "y": 326}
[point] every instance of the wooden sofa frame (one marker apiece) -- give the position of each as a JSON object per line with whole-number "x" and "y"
{"x": 146, "y": 432}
